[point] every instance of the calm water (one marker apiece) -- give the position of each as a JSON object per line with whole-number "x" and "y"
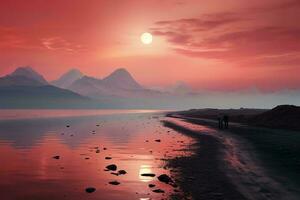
{"x": 30, "y": 138}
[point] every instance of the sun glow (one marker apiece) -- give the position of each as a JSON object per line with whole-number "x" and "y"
{"x": 146, "y": 38}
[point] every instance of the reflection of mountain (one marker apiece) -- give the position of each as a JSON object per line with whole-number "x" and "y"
{"x": 25, "y": 88}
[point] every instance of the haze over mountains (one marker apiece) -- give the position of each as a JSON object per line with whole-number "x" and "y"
{"x": 68, "y": 78}
{"x": 119, "y": 83}
{"x": 26, "y": 88}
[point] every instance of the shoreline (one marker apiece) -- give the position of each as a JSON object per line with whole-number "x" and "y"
{"x": 208, "y": 175}
{"x": 200, "y": 176}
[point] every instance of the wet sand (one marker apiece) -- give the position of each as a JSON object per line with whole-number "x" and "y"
{"x": 200, "y": 174}
{"x": 223, "y": 166}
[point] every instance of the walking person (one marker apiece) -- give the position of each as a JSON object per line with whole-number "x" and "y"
{"x": 220, "y": 120}
{"x": 226, "y": 121}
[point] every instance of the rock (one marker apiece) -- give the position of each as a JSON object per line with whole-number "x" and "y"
{"x": 158, "y": 140}
{"x": 90, "y": 190}
{"x": 165, "y": 179}
{"x": 151, "y": 185}
{"x": 112, "y": 167}
{"x": 122, "y": 172}
{"x": 104, "y": 148}
{"x": 158, "y": 191}
{"x": 97, "y": 151}
{"x": 56, "y": 157}
{"x": 114, "y": 183}
{"x": 148, "y": 174}
{"x": 107, "y": 158}
{"x": 68, "y": 126}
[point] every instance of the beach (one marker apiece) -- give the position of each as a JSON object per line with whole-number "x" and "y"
{"x": 238, "y": 163}
{"x": 135, "y": 154}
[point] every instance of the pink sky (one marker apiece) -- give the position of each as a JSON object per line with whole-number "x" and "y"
{"x": 207, "y": 44}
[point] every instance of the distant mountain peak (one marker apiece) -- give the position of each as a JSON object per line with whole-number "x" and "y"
{"x": 29, "y": 73}
{"x": 121, "y": 70}
{"x": 121, "y": 78}
{"x": 68, "y": 78}
{"x": 25, "y": 69}
{"x": 74, "y": 70}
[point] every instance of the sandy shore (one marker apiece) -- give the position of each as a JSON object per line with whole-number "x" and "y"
{"x": 222, "y": 166}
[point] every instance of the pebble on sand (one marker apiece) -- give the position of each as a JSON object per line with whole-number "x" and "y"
{"x": 90, "y": 190}
{"x": 56, "y": 157}
{"x": 107, "y": 158}
{"x": 165, "y": 179}
{"x": 151, "y": 185}
{"x": 111, "y": 167}
{"x": 97, "y": 151}
{"x": 158, "y": 140}
{"x": 122, "y": 172}
{"x": 158, "y": 191}
{"x": 114, "y": 182}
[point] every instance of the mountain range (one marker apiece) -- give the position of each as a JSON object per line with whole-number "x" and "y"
{"x": 119, "y": 83}
{"x": 26, "y": 88}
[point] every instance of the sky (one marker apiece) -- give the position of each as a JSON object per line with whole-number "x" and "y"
{"x": 209, "y": 45}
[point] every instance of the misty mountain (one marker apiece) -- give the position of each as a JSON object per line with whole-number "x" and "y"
{"x": 25, "y": 88}
{"x": 23, "y": 76}
{"x": 118, "y": 84}
{"x": 180, "y": 88}
{"x": 68, "y": 78}
{"x": 29, "y": 73}
{"x": 41, "y": 97}
{"x": 121, "y": 78}
{"x": 18, "y": 81}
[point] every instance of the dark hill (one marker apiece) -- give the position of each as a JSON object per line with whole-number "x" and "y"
{"x": 282, "y": 116}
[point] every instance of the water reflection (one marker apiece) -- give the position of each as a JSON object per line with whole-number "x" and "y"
{"x": 145, "y": 169}
{"x": 28, "y": 170}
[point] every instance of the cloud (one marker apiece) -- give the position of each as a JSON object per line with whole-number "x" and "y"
{"x": 16, "y": 38}
{"x": 13, "y": 38}
{"x": 58, "y": 43}
{"x": 242, "y": 37}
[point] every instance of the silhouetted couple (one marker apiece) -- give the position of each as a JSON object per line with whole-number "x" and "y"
{"x": 223, "y": 122}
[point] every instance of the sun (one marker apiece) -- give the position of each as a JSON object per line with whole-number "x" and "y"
{"x": 146, "y": 38}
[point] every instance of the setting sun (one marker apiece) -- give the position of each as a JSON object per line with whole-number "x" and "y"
{"x": 146, "y": 38}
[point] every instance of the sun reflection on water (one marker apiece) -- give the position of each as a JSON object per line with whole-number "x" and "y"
{"x": 145, "y": 169}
